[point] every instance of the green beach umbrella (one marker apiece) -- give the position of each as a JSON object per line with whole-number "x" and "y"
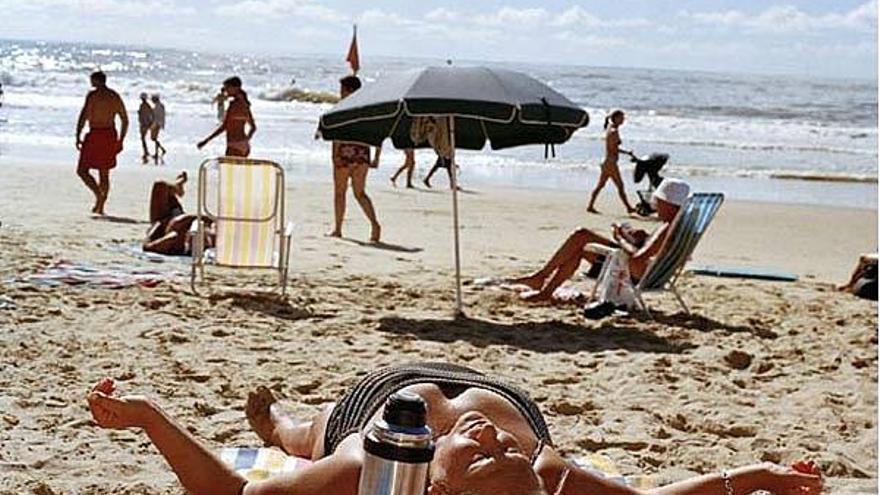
{"x": 474, "y": 104}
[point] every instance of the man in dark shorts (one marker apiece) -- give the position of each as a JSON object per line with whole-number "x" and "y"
{"x": 101, "y": 145}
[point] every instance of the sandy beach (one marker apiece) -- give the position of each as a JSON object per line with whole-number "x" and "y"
{"x": 761, "y": 371}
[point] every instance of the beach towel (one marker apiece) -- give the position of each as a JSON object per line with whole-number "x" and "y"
{"x": 256, "y": 464}
{"x": 136, "y": 250}
{"x": 565, "y": 294}
{"x": 108, "y": 277}
{"x": 99, "y": 150}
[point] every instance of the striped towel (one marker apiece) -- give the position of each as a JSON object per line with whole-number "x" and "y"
{"x": 262, "y": 463}
{"x": 603, "y": 466}
{"x": 259, "y": 464}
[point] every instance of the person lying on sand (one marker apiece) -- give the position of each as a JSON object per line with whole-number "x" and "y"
{"x": 169, "y": 225}
{"x": 639, "y": 245}
{"x": 490, "y": 438}
{"x": 863, "y": 281}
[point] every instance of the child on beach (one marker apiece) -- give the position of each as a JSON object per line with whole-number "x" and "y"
{"x": 610, "y": 169}
{"x": 351, "y": 162}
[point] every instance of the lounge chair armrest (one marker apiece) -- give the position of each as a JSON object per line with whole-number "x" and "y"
{"x": 601, "y": 249}
{"x": 288, "y": 229}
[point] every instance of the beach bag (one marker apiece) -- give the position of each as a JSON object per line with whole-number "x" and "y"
{"x": 614, "y": 284}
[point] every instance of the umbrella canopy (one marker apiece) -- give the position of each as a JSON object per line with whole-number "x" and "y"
{"x": 504, "y": 107}
{"x": 473, "y": 104}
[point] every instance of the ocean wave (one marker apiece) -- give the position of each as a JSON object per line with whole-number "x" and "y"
{"x": 734, "y": 145}
{"x": 301, "y": 95}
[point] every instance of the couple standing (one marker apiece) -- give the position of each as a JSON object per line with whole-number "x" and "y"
{"x": 151, "y": 119}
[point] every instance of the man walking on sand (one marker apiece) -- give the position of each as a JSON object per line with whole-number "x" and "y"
{"x": 157, "y": 125}
{"x": 145, "y": 120}
{"x": 101, "y": 145}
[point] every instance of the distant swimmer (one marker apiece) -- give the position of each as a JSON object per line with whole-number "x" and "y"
{"x": 237, "y": 116}
{"x": 220, "y": 102}
{"x": 157, "y": 125}
{"x": 145, "y": 120}
{"x": 101, "y": 145}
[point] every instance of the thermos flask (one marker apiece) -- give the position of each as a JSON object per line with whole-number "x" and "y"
{"x": 397, "y": 448}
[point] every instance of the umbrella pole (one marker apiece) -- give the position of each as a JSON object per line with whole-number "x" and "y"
{"x": 454, "y": 175}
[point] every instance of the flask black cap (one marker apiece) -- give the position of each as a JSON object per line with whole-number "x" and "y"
{"x": 405, "y": 409}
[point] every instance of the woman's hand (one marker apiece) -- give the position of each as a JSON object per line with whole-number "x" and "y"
{"x": 117, "y": 412}
{"x": 802, "y": 478}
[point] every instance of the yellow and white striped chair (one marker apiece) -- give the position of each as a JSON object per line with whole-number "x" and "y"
{"x": 248, "y": 217}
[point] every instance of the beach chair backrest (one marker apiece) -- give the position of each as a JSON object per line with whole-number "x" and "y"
{"x": 686, "y": 230}
{"x": 248, "y": 213}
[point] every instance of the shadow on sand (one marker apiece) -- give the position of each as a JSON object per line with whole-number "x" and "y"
{"x": 384, "y": 246}
{"x": 267, "y": 303}
{"x": 544, "y": 336}
{"x": 115, "y": 219}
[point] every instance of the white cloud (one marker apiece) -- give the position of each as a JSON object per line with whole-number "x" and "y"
{"x": 278, "y": 9}
{"x": 518, "y": 18}
{"x": 576, "y": 15}
{"x": 126, "y": 8}
{"x": 442, "y": 15}
{"x": 786, "y": 18}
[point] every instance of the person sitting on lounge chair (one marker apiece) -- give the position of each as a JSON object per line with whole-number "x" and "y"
{"x": 490, "y": 438}
{"x": 640, "y": 245}
{"x": 169, "y": 225}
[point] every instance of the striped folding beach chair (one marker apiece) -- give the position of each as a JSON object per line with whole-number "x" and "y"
{"x": 246, "y": 215}
{"x": 685, "y": 232}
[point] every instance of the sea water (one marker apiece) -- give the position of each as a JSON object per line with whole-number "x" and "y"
{"x": 755, "y": 137}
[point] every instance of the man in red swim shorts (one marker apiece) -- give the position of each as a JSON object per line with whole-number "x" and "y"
{"x": 101, "y": 145}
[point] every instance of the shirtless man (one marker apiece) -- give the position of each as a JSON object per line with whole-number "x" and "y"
{"x": 145, "y": 120}
{"x": 101, "y": 145}
{"x": 157, "y": 125}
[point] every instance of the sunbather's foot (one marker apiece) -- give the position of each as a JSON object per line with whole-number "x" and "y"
{"x": 409, "y": 185}
{"x": 592, "y": 209}
{"x": 264, "y": 416}
{"x": 532, "y": 281}
{"x": 394, "y": 181}
{"x": 426, "y": 183}
{"x": 334, "y": 233}
{"x": 375, "y": 233}
{"x": 535, "y": 296}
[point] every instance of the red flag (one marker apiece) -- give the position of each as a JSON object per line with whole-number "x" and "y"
{"x": 352, "y": 58}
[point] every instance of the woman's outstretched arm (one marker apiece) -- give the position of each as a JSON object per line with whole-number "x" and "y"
{"x": 564, "y": 478}
{"x": 198, "y": 470}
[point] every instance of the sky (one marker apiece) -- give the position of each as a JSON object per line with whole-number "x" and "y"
{"x": 825, "y": 38}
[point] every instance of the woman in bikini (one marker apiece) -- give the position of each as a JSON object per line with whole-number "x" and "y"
{"x": 610, "y": 170}
{"x": 169, "y": 231}
{"x": 490, "y": 438}
{"x": 237, "y": 115}
{"x": 351, "y": 162}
